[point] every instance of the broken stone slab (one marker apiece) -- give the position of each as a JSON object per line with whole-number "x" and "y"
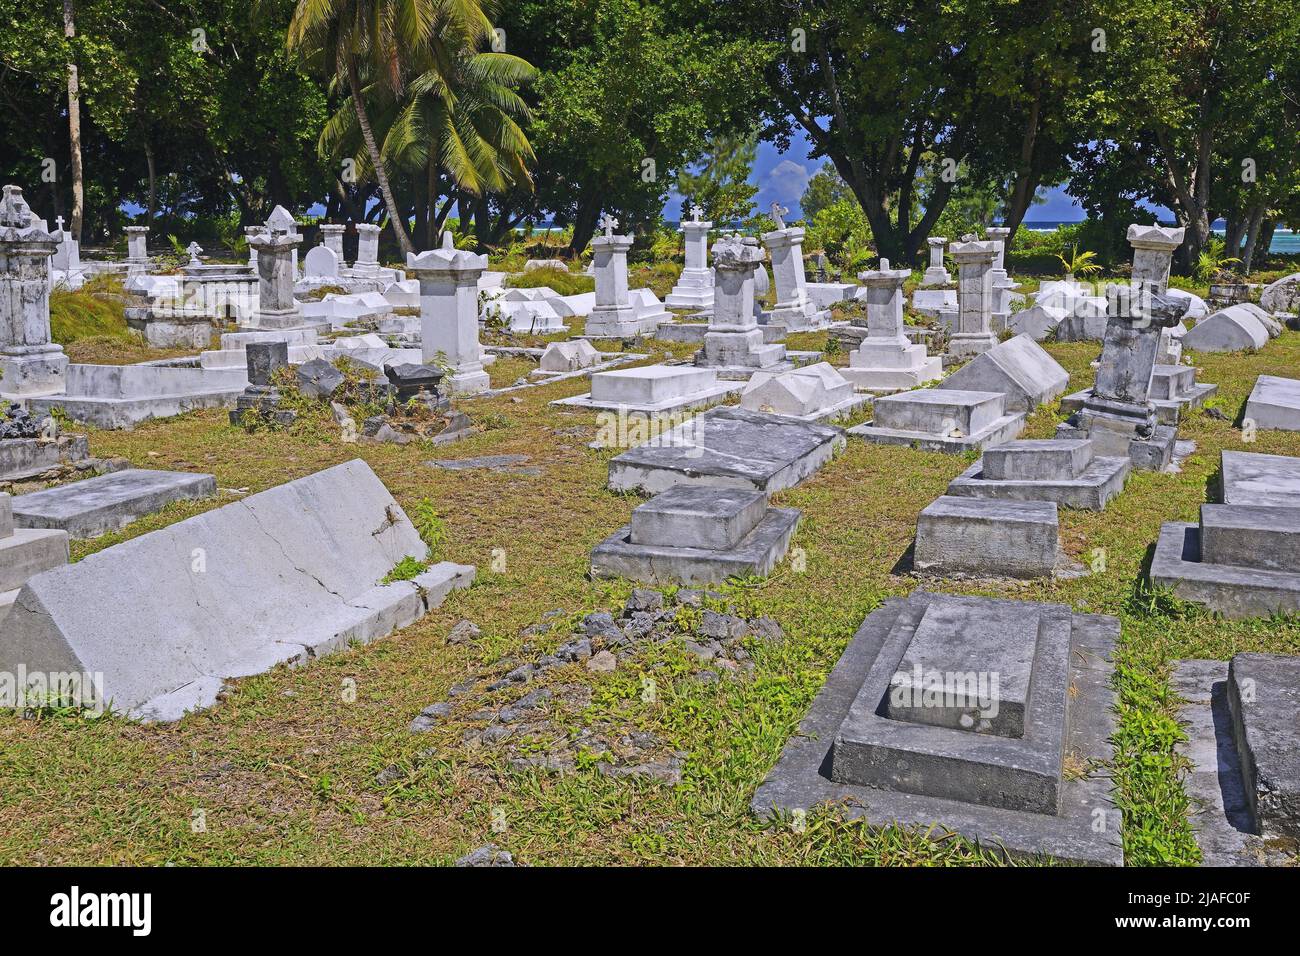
{"x": 989, "y": 761}
{"x": 1062, "y": 471}
{"x": 27, "y": 457}
{"x": 1233, "y": 329}
{"x": 1249, "y": 478}
{"x": 282, "y": 576}
{"x": 95, "y": 506}
{"x": 506, "y": 464}
{"x": 698, "y": 535}
{"x": 1274, "y": 403}
{"x": 1019, "y": 368}
{"x": 947, "y": 420}
{"x": 569, "y": 356}
{"x": 987, "y": 538}
{"x": 813, "y": 393}
{"x": 25, "y": 552}
{"x": 123, "y": 396}
{"x": 1282, "y": 295}
{"x": 728, "y": 447}
{"x": 653, "y": 389}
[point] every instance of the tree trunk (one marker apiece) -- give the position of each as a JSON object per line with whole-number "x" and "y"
{"x": 433, "y": 225}
{"x": 74, "y": 124}
{"x": 151, "y": 208}
{"x": 395, "y": 215}
{"x": 1252, "y": 238}
{"x": 584, "y": 224}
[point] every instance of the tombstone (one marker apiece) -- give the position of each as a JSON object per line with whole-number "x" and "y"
{"x": 1003, "y": 286}
{"x": 973, "y": 332}
{"x": 107, "y": 503}
{"x": 1153, "y": 253}
{"x": 570, "y": 356}
{"x": 321, "y": 262}
{"x": 332, "y": 238}
{"x": 696, "y": 536}
{"x": 277, "y": 253}
{"x": 653, "y": 390}
{"x": 137, "y": 252}
{"x": 887, "y": 360}
{"x": 1118, "y": 414}
{"x": 367, "y": 264}
{"x": 793, "y": 309}
{"x": 30, "y": 364}
{"x": 1019, "y": 368}
{"x": 694, "y": 288}
{"x": 67, "y": 257}
{"x": 262, "y": 398}
{"x": 449, "y": 314}
{"x": 281, "y": 220}
{"x": 811, "y": 393}
{"x": 1282, "y": 295}
{"x": 25, "y": 553}
{"x": 1234, "y": 329}
{"x": 251, "y": 232}
{"x": 987, "y": 538}
{"x": 1064, "y": 471}
{"x": 734, "y": 340}
{"x": 613, "y": 315}
{"x": 936, "y": 273}
{"x": 938, "y": 419}
{"x": 194, "y": 249}
{"x": 1274, "y": 403}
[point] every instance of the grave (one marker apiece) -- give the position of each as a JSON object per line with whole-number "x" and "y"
{"x": 1274, "y": 403}
{"x": 734, "y": 344}
{"x": 331, "y": 237}
{"x": 812, "y": 393}
{"x": 569, "y": 356}
{"x": 1064, "y": 471}
{"x": 1085, "y": 314}
{"x": 972, "y": 332}
{"x": 27, "y": 457}
{"x": 729, "y": 448}
{"x": 525, "y": 311}
{"x": 123, "y": 396}
{"x": 935, "y": 273}
{"x": 1039, "y": 322}
{"x": 1173, "y": 389}
{"x": 95, "y": 506}
{"x": 1196, "y": 307}
{"x": 966, "y": 712}
{"x": 1249, "y": 478}
{"x": 449, "y": 314}
{"x": 886, "y": 360}
{"x": 137, "y": 252}
{"x": 1003, "y": 286}
{"x": 653, "y": 389}
{"x": 946, "y": 420}
{"x": 932, "y": 302}
{"x": 1282, "y": 295}
{"x": 1018, "y": 368}
{"x": 1233, "y": 329}
{"x": 172, "y": 327}
{"x": 260, "y": 400}
{"x": 30, "y": 363}
{"x": 1118, "y": 415}
{"x": 613, "y": 315}
{"x": 24, "y": 553}
{"x": 696, "y": 535}
{"x": 794, "y": 309}
{"x": 694, "y": 288}
{"x": 282, "y": 576}
{"x": 986, "y": 537}
{"x": 277, "y": 264}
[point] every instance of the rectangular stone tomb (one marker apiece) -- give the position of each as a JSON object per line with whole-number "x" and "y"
{"x": 1241, "y": 560}
{"x": 282, "y": 576}
{"x": 653, "y": 388}
{"x": 695, "y": 534}
{"x": 25, "y": 552}
{"x": 1019, "y": 368}
{"x": 1249, "y": 478}
{"x": 1274, "y": 403}
{"x": 964, "y": 713}
{"x": 87, "y": 509}
{"x": 958, "y": 536}
{"x": 123, "y": 396}
{"x": 728, "y": 447}
{"x": 1064, "y": 471}
{"x": 26, "y": 457}
{"x": 1173, "y": 390}
{"x": 947, "y": 420}
{"x": 1244, "y": 782}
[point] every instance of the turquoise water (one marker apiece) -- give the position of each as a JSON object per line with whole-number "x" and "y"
{"x": 1284, "y": 240}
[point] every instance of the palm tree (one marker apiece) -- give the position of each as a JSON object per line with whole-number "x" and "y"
{"x": 377, "y": 38}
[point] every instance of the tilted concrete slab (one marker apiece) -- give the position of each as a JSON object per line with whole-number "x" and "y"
{"x": 1249, "y": 478}
{"x": 1019, "y": 368}
{"x": 1274, "y": 403}
{"x": 280, "y": 577}
{"x": 87, "y": 509}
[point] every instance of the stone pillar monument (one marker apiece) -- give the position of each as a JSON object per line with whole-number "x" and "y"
{"x": 137, "y": 252}
{"x": 793, "y": 308}
{"x": 331, "y": 234}
{"x": 449, "y": 314}
{"x": 734, "y": 339}
{"x": 251, "y": 233}
{"x": 30, "y": 364}
{"x": 613, "y": 315}
{"x": 277, "y": 252}
{"x": 1002, "y": 284}
{"x": 694, "y": 288}
{"x": 936, "y": 274}
{"x": 367, "y": 264}
{"x": 973, "y": 332}
{"x": 887, "y": 361}
{"x": 1153, "y": 254}
{"x": 283, "y": 220}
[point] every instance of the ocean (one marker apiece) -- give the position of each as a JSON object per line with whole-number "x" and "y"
{"x": 1284, "y": 240}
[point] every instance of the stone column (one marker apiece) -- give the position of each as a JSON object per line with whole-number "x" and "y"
{"x": 276, "y": 306}
{"x": 449, "y": 314}
{"x": 30, "y": 364}
{"x": 137, "y": 252}
{"x": 367, "y": 264}
{"x": 332, "y": 237}
{"x": 613, "y": 315}
{"x": 936, "y": 274}
{"x": 1153, "y": 252}
{"x": 694, "y": 289}
{"x": 734, "y": 338}
{"x": 282, "y": 220}
{"x": 250, "y": 233}
{"x": 793, "y": 308}
{"x": 1002, "y": 284}
{"x": 973, "y": 331}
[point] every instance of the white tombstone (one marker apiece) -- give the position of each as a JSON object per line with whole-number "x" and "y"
{"x": 793, "y": 309}
{"x": 321, "y": 262}
{"x": 137, "y": 251}
{"x": 1003, "y": 286}
{"x": 449, "y": 314}
{"x": 936, "y": 274}
{"x": 569, "y": 356}
{"x": 973, "y": 331}
{"x": 367, "y": 264}
{"x": 277, "y": 252}
{"x": 332, "y": 238}
{"x": 694, "y": 288}
{"x": 249, "y": 233}
{"x": 613, "y": 315}
{"x": 812, "y": 392}
{"x": 886, "y": 360}
{"x": 30, "y": 364}
{"x": 733, "y": 338}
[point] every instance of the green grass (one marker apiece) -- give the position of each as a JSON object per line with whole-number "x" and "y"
{"x": 561, "y": 281}
{"x": 283, "y": 768}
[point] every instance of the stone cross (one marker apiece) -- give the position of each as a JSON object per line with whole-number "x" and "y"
{"x": 194, "y": 249}
{"x": 696, "y": 212}
{"x": 58, "y": 221}
{"x": 778, "y": 214}
{"x": 609, "y": 224}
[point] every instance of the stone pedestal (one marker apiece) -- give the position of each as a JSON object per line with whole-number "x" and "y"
{"x": 886, "y": 360}
{"x": 734, "y": 340}
{"x": 1153, "y": 253}
{"x": 261, "y": 399}
{"x": 30, "y": 364}
{"x": 277, "y": 254}
{"x": 331, "y": 235}
{"x": 694, "y": 288}
{"x": 282, "y": 221}
{"x": 250, "y": 233}
{"x": 614, "y": 315}
{"x": 936, "y": 274}
{"x": 449, "y": 314}
{"x": 137, "y": 252}
{"x": 367, "y": 264}
{"x": 794, "y": 309}
{"x": 1063, "y": 471}
{"x": 973, "y": 331}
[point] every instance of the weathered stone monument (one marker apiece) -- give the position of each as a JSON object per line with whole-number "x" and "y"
{"x": 250, "y": 233}
{"x": 1274, "y": 403}
{"x": 613, "y": 315}
{"x": 24, "y": 553}
{"x": 940, "y": 419}
{"x": 794, "y": 309}
{"x": 1064, "y": 471}
{"x": 331, "y": 234}
{"x": 1153, "y": 254}
{"x": 367, "y": 262}
{"x": 261, "y": 399}
{"x": 813, "y": 393}
{"x": 277, "y": 264}
{"x": 137, "y": 251}
{"x": 973, "y": 331}
{"x": 1019, "y": 368}
{"x": 936, "y": 273}
{"x": 887, "y": 361}
{"x": 734, "y": 343}
{"x": 282, "y": 221}
{"x": 694, "y": 288}
{"x": 985, "y": 538}
{"x": 30, "y": 363}
{"x": 1118, "y": 415}
{"x": 105, "y": 503}
{"x": 449, "y": 314}
{"x": 1003, "y": 286}
{"x": 983, "y": 716}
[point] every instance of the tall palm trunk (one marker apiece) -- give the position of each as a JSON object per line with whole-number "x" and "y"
{"x": 367, "y": 134}
{"x": 74, "y": 124}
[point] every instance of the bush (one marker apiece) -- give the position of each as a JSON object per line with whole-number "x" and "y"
{"x": 564, "y": 283}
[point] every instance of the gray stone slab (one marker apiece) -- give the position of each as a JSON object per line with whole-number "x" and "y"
{"x": 1086, "y": 825}
{"x": 697, "y": 516}
{"x": 282, "y": 576}
{"x": 1099, "y": 482}
{"x": 950, "y": 421}
{"x": 25, "y": 553}
{"x": 1264, "y": 700}
{"x": 506, "y": 464}
{"x": 1154, "y": 453}
{"x": 728, "y": 447}
{"x": 1019, "y": 368}
{"x": 754, "y": 555}
{"x": 1274, "y": 403}
{"x": 1249, "y": 478}
{"x": 1231, "y": 591}
{"x": 6, "y": 515}
{"x": 1038, "y": 459}
{"x": 26, "y": 457}
{"x": 987, "y": 538}
{"x": 87, "y": 509}
{"x": 1251, "y": 536}
{"x": 1233, "y": 329}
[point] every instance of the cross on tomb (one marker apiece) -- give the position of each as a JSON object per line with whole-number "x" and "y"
{"x": 194, "y": 249}
{"x": 778, "y": 213}
{"x": 609, "y": 224}
{"x": 696, "y": 212}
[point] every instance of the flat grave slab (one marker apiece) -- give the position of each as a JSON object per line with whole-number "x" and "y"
{"x": 994, "y": 780}
{"x": 987, "y": 538}
{"x": 653, "y": 389}
{"x": 87, "y": 509}
{"x": 728, "y": 447}
{"x": 1250, "y": 478}
{"x": 27, "y": 457}
{"x": 1063, "y": 471}
{"x": 1274, "y": 403}
{"x": 947, "y": 420}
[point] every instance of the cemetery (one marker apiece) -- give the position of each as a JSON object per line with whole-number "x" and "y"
{"x": 463, "y": 509}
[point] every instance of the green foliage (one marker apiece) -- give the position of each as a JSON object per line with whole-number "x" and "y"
{"x": 1079, "y": 263}
{"x": 430, "y": 527}
{"x": 562, "y": 281}
{"x": 405, "y": 570}
{"x": 1213, "y": 260}
{"x": 721, "y": 185}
